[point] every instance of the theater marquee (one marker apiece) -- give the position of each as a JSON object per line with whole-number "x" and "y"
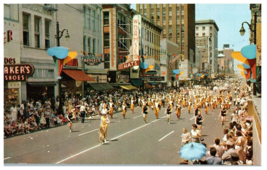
{"x": 17, "y": 72}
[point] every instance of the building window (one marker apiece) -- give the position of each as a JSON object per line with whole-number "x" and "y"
{"x": 164, "y": 5}
{"x": 203, "y": 34}
{"x": 152, "y": 6}
{"x": 164, "y": 13}
{"x": 84, "y": 42}
{"x": 164, "y": 21}
{"x": 106, "y": 18}
{"x": 196, "y": 34}
{"x": 93, "y": 20}
{"x": 37, "y": 32}
{"x": 7, "y": 13}
{"x": 157, "y": 5}
{"x": 210, "y": 28}
{"x": 177, "y": 12}
{"x": 196, "y": 28}
{"x": 89, "y": 18}
{"x": 203, "y": 28}
{"x": 89, "y": 45}
{"x": 47, "y": 34}
{"x": 170, "y": 13}
{"x": 106, "y": 61}
{"x": 106, "y": 40}
{"x": 26, "y": 29}
{"x": 210, "y": 34}
{"x": 84, "y": 17}
{"x": 94, "y": 47}
{"x": 144, "y": 6}
{"x": 170, "y": 31}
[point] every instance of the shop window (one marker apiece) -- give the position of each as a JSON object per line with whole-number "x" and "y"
{"x": 89, "y": 45}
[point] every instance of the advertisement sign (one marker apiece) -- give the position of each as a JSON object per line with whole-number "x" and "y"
{"x": 156, "y": 78}
{"x": 123, "y": 78}
{"x": 17, "y": 72}
{"x": 136, "y": 36}
{"x": 92, "y": 60}
{"x": 128, "y": 65}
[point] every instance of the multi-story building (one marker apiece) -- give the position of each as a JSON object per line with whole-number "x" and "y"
{"x": 12, "y": 45}
{"x": 37, "y": 27}
{"x": 149, "y": 45}
{"x": 116, "y": 30}
{"x": 225, "y": 60}
{"x": 207, "y": 41}
{"x": 168, "y": 50}
{"x": 178, "y": 23}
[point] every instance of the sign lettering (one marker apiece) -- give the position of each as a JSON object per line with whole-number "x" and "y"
{"x": 92, "y": 60}
{"x": 128, "y": 65}
{"x": 17, "y": 72}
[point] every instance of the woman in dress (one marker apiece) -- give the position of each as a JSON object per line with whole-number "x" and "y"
{"x": 145, "y": 111}
{"x": 178, "y": 110}
{"x": 124, "y": 110}
{"x": 222, "y": 114}
{"x": 195, "y": 134}
{"x": 199, "y": 120}
{"x": 132, "y": 104}
{"x": 104, "y": 121}
{"x": 168, "y": 112}
{"x": 111, "y": 108}
{"x": 156, "y": 109}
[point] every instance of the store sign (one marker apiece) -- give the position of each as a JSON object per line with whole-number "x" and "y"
{"x": 136, "y": 36}
{"x": 156, "y": 78}
{"x": 8, "y": 36}
{"x": 9, "y": 60}
{"x": 92, "y": 60}
{"x": 128, "y": 65}
{"x": 18, "y": 72}
{"x": 150, "y": 75}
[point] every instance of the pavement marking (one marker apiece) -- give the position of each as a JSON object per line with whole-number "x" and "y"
{"x": 78, "y": 154}
{"x": 166, "y": 136}
{"x": 138, "y": 116}
{"x": 7, "y": 158}
{"x": 192, "y": 117}
{"x": 88, "y": 132}
{"x": 100, "y": 144}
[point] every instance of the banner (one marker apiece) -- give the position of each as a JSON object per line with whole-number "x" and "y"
{"x": 136, "y": 36}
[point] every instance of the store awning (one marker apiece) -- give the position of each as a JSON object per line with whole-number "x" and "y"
{"x": 101, "y": 86}
{"x": 148, "y": 86}
{"x": 153, "y": 83}
{"x": 78, "y": 75}
{"x": 137, "y": 82}
{"x": 128, "y": 87}
{"x": 48, "y": 83}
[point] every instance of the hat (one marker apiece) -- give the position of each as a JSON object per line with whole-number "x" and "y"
{"x": 229, "y": 143}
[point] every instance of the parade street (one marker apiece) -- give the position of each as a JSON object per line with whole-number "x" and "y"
{"x": 131, "y": 141}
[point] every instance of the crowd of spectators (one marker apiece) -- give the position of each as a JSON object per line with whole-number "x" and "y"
{"x": 236, "y": 146}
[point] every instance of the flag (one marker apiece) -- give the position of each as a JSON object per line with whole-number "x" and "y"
{"x": 138, "y": 57}
{"x": 85, "y": 53}
{"x": 101, "y": 55}
{"x": 95, "y": 54}
{"x": 126, "y": 56}
{"x": 174, "y": 55}
{"x": 120, "y": 56}
{"x": 177, "y": 76}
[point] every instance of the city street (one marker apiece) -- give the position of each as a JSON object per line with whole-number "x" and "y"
{"x": 131, "y": 141}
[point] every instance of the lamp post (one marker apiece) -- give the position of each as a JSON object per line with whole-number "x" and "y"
{"x": 58, "y": 36}
{"x": 242, "y": 32}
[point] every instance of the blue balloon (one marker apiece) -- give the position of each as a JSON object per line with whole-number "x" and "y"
{"x": 58, "y": 52}
{"x": 249, "y": 51}
{"x": 144, "y": 65}
{"x": 176, "y": 71}
{"x": 246, "y": 66}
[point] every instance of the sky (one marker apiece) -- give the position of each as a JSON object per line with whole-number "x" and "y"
{"x": 228, "y": 18}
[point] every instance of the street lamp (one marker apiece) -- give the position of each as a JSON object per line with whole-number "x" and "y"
{"x": 58, "y": 36}
{"x": 242, "y": 32}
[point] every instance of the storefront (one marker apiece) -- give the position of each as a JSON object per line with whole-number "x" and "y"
{"x": 72, "y": 80}
{"x": 40, "y": 90}
{"x": 11, "y": 94}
